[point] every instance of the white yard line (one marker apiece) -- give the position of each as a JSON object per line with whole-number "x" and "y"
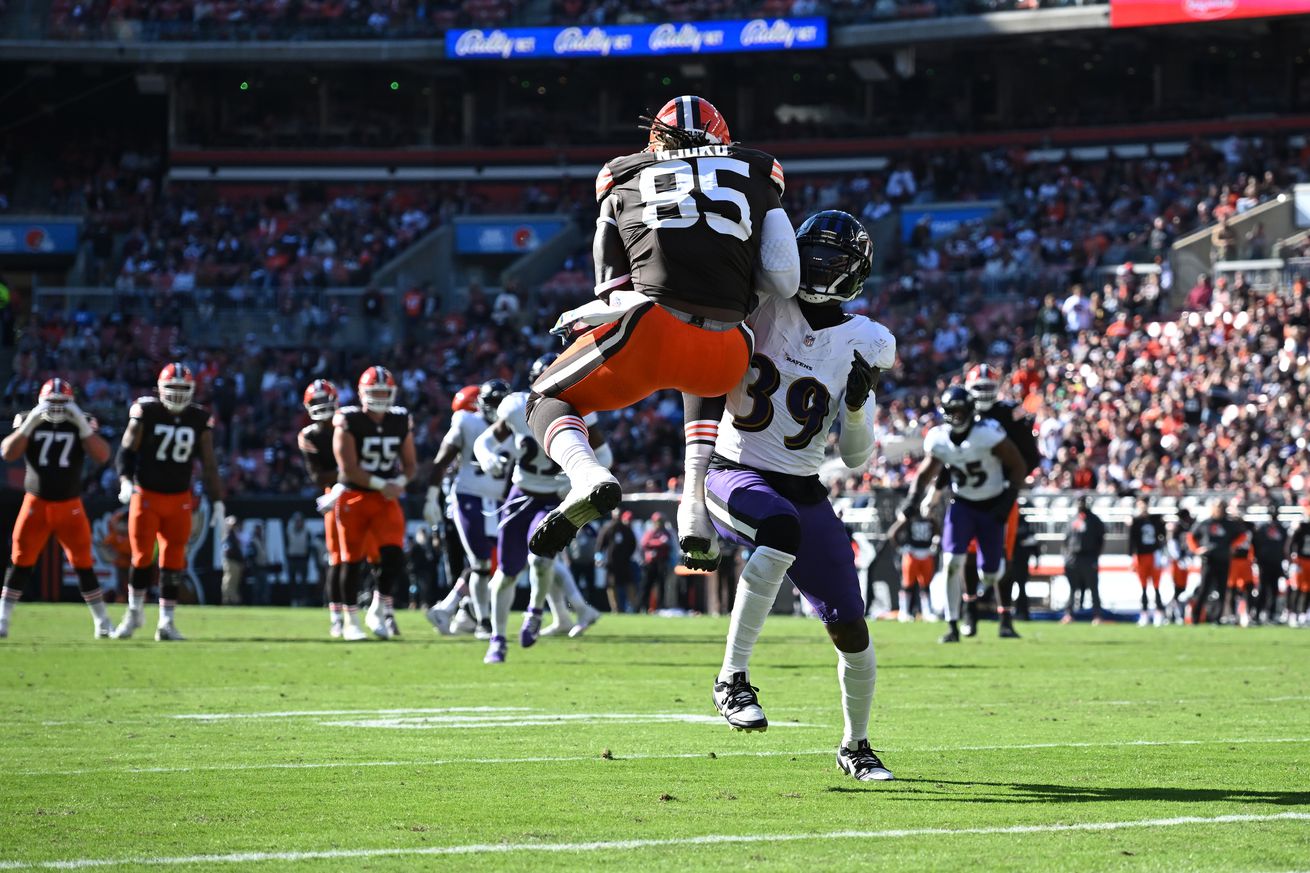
{"x": 644, "y": 756}
{"x": 297, "y": 713}
{"x": 629, "y": 845}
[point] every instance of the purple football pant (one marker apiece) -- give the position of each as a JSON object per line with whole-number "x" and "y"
{"x": 471, "y": 522}
{"x": 519, "y": 517}
{"x": 966, "y": 522}
{"x": 824, "y": 570}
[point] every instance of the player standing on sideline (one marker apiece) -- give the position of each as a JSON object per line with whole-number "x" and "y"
{"x": 1239, "y": 599}
{"x": 1213, "y": 539}
{"x": 1180, "y": 562}
{"x": 983, "y": 382}
{"x": 155, "y": 462}
{"x": 534, "y": 491}
{"x": 813, "y": 364}
{"x": 315, "y": 442}
{"x": 690, "y": 232}
{"x": 1270, "y": 538}
{"x": 54, "y": 438}
{"x": 1298, "y": 585}
{"x": 987, "y": 471}
{"x": 918, "y": 565}
{"x": 1145, "y": 539}
{"x": 477, "y": 497}
{"x": 374, "y": 448}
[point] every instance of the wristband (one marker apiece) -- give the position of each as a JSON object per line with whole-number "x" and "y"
{"x": 400, "y": 480}
{"x": 376, "y": 482}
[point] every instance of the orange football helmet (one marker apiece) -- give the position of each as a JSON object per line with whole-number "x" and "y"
{"x": 176, "y": 386}
{"x": 687, "y": 122}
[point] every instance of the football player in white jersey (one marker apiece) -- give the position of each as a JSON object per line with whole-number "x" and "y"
{"x": 536, "y": 485}
{"x": 814, "y": 365}
{"x": 986, "y": 470}
{"x": 477, "y": 496}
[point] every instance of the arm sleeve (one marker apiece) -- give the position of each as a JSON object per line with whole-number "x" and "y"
{"x": 125, "y": 462}
{"x": 607, "y": 250}
{"x": 856, "y": 439}
{"x": 778, "y": 271}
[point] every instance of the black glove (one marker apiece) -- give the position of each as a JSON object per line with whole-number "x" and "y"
{"x": 860, "y": 382}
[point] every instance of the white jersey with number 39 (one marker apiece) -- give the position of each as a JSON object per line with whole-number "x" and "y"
{"x": 778, "y": 418}
{"x": 976, "y": 473}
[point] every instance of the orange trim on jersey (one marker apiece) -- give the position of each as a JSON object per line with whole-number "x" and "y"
{"x": 39, "y": 519}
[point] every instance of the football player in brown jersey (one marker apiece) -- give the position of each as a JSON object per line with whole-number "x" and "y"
{"x": 54, "y": 438}
{"x": 376, "y": 459}
{"x": 164, "y": 437}
{"x": 691, "y": 230}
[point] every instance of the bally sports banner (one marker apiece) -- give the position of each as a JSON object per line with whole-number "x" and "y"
{"x": 1140, "y": 13}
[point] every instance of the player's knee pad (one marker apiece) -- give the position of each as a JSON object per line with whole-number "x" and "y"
{"x": 781, "y": 532}
{"x": 17, "y": 577}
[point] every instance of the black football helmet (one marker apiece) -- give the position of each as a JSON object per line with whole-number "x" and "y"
{"x": 489, "y": 396}
{"x": 957, "y": 408}
{"x": 836, "y": 257}
{"x": 539, "y": 366}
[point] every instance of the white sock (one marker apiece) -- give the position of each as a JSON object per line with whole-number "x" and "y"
{"x": 925, "y": 602}
{"x": 856, "y": 673}
{"x": 567, "y": 444}
{"x": 758, "y": 588}
{"x": 383, "y": 603}
{"x": 336, "y": 611}
{"x": 136, "y": 599}
{"x": 541, "y": 579}
{"x": 95, "y": 601}
{"x": 903, "y": 600}
{"x": 166, "y": 610}
{"x": 352, "y": 614}
{"x": 567, "y": 587}
{"x": 559, "y": 607}
{"x": 8, "y": 597}
{"x": 954, "y": 587}
{"x": 480, "y": 594}
{"x": 699, "y": 436}
{"x": 502, "y": 598}
{"x": 451, "y": 600}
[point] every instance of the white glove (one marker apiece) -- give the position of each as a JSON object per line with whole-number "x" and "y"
{"x": 327, "y": 501}
{"x": 34, "y": 418}
{"x": 78, "y": 417}
{"x": 498, "y": 465}
{"x": 124, "y": 489}
{"x": 432, "y": 507}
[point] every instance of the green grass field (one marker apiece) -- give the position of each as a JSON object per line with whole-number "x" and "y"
{"x": 259, "y": 743}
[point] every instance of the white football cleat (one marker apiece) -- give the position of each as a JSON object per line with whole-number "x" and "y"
{"x": 464, "y": 622}
{"x": 696, "y": 537}
{"x": 594, "y": 497}
{"x": 351, "y": 632}
{"x": 1143, "y": 620}
{"x": 335, "y": 629}
{"x": 132, "y": 620}
{"x": 862, "y": 763}
{"x": 377, "y": 622}
{"x": 440, "y": 619}
{"x": 586, "y": 618}
{"x": 736, "y": 702}
{"x": 167, "y": 632}
{"x": 556, "y": 628}
{"x": 482, "y": 630}
{"x": 104, "y": 629}
{"x": 1158, "y": 618}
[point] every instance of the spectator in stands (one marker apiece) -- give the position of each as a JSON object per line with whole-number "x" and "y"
{"x": 1257, "y": 243}
{"x": 1083, "y": 543}
{"x": 656, "y": 552}
{"x": 1077, "y": 311}
{"x": 1223, "y": 241}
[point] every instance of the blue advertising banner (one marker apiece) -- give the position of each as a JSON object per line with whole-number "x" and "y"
{"x": 945, "y": 219}
{"x": 19, "y": 236}
{"x": 636, "y": 40}
{"x": 503, "y": 236}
